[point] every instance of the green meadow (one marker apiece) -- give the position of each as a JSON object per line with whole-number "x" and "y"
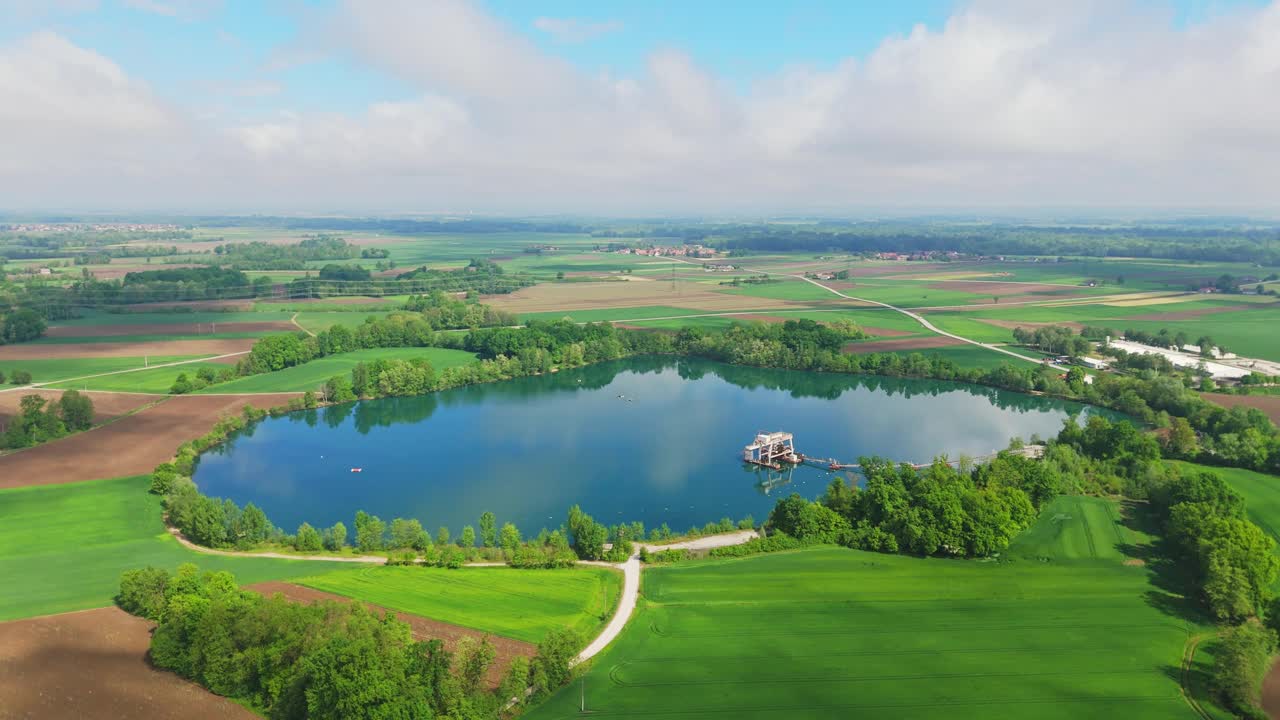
{"x": 519, "y": 604}
{"x": 47, "y": 370}
{"x": 831, "y": 632}
{"x": 312, "y": 375}
{"x": 63, "y": 547}
{"x": 157, "y": 380}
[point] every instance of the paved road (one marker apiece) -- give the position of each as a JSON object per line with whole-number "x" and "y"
{"x": 631, "y": 584}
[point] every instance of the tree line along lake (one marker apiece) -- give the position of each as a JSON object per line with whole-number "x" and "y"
{"x": 653, "y": 439}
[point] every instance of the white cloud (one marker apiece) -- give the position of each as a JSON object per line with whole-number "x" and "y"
{"x": 181, "y": 9}
{"x": 1067, "y": 105}
{"x": 574, "y": 30}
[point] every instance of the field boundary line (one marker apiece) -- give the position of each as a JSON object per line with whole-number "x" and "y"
{"x": 1184, "y": 678}
{"x": 298, "y": 325}
{"x": 39, "y": 385}
{"x": 918, "y": 318}
{"x": 1088, "y": 530}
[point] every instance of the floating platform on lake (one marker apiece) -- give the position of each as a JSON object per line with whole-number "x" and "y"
{"x": 772, "y": 450}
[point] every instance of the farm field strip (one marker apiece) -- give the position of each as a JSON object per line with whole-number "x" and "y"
{"x": 893, "y": 635}
{"x": 49, "y": 370}
{"x": 89, "y": 533}
{"x": 310, "y": 376}
{"x": 520, "y": 604}
{"x": 157, "y": 380}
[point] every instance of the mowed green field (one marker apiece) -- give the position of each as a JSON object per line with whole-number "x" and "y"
{"x": 520, "y": 604}
{"x": 1076, "y": 528}
{"x": 157, "y": 380}
{"x": 1243, "y": 326}
{"x": 832, "y": 632}
{"x": 317, "y": 320}
{"x": 313, "y": 374}
{"x": 63, "y": 547}
{"x": 969, "y": 356}
{"x": 52, "y": 369}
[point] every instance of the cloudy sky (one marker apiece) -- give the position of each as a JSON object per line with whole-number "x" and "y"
{"x": 603, "y": 107}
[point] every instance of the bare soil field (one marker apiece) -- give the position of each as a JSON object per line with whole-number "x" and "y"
{"x": 106, "y": 405}
{"x": 93, "y": 664}
{"x": 921, "y": 343}
{"x": 115, "y": 272}
{"x": 237, "y": 305}
{"x": 1271, "y": 692}
{"x": 1269, "y": 404}
{"x": 133, "y": 445}
{"x": 354, "y": 300}
{"x": 423, "y": 628}
{"x": 1011, "y": 324}
{"x": 217, "y": 346}
{"x": 566, "y": 297}
{"x": 166, "y": 329}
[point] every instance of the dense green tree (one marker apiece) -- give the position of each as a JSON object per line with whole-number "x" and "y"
{"x": 488, "y": 529}
{"x": 335, "y": 538}
{"x": 142, "y": 592}
{"x": 370, "y": 532}
{"x": 408, "y": 534}
{"x": 468, "y": 537}
{"x": 509, "y": 537}
{"x": 76, "y": 410}
{"x": 21, "y": 326}
{"x": 1241, "y": 660}
{"x": 307, "y": 539}
{"x": 586, "y": 535}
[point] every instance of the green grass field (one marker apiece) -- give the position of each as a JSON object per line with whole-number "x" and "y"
{"x": 158, "y": 380}
{"x": 520, "y": 604}
{"x": 971, "y": 328}
{"x": 628, "y": 313}
{"x": 1076, "y": 528}
{"x": 63, "y": 547}
{"x": 968, "y": 356}
{"x": 317, "y": 320}
{"x": 838, "y": 633}
{"x": 784, "y": 290}
{"x": 50, "y": 370}
{"x": 313, "y": 374}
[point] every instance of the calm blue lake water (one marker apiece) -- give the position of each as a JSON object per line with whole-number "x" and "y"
{"x": 651, "y": 439}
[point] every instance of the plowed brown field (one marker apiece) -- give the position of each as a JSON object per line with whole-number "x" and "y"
{"x": 166, "y": 329}
{"x": 106, "y": 405}
{"x": 551, "y": 297}
{"x": 93, "y": 664}
{"x": 1269, "y": 404}
{"x": 132, "y": 445}
{"x": 29, "y": 351}
{"x": 920, "y": 343}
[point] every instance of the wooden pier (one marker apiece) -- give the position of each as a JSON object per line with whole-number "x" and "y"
{"x": 773, "y": 450}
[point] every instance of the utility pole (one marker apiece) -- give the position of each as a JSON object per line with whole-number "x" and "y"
{"x": 582, "y": 704}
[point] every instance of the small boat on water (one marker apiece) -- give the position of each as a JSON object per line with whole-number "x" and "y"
{"x": 357, "y": 469}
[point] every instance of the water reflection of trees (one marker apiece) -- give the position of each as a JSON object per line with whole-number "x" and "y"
{"x": 384, "y": 412}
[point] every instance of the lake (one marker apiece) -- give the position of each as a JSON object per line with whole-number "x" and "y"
{"x": 651, "y": 439}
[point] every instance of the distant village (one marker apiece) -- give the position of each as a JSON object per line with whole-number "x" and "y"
{"x": 89, "y": 227}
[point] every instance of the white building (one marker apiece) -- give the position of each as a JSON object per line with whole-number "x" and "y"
{"x": 1180, "y": 359}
